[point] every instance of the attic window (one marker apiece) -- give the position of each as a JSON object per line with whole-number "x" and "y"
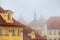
{"x": 9, "y": 16}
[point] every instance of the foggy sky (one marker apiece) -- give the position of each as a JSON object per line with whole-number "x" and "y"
{"x": 27, "y": 8}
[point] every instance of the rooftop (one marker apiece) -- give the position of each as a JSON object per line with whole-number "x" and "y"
{"x": 53, "y": 23}
{"x": 3, "y": 23}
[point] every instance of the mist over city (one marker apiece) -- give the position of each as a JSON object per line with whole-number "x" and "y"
{"x": 27, "y": 8}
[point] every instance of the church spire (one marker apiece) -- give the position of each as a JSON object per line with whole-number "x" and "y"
{"x": 35, "y": 16}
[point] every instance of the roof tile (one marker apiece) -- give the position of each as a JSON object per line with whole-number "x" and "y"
{"x": 53, "y": 23}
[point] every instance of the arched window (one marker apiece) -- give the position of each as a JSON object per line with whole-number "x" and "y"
{"x": 6, "y": 32}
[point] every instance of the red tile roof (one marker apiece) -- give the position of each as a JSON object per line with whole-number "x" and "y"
{"x": 53, "y": 23}
{"x": 28, "y": 30}
{"x": 15, "y": 23}
{"x": 3, "y": 23}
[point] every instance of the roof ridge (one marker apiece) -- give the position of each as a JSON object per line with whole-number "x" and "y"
{"x": 1, "y": 9}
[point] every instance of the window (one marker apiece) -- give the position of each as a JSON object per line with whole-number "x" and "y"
{"x": 50, "y": 39}
{"x": 13, "y": 32}
{"x": 54, "y": 32}
{"x": 0, "y": 32}
{"x": 19, "y": 32}
{"x": 55, "y": 39}
{"x": 9, "y": 16}
{"x": 50, "y": 33}
{"x": 58, "y": 32}
{"x": 6, "y": 32}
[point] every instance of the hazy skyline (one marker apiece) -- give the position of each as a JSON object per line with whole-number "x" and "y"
{"x": 27, "y": 8}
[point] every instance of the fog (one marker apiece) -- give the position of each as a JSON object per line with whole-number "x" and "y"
{"x": 27, "y": 8}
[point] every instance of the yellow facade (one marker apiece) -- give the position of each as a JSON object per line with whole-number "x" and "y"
{"x": 7, "y": 17}
{"x": 53, "y": 35}
{"x": 10, "y": 36}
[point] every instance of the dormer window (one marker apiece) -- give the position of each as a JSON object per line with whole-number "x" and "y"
{"x": 9, "y": 16}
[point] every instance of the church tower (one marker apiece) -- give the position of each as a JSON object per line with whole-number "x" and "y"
{"x": 35, "y": 17}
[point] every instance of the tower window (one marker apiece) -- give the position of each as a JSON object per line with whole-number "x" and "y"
{"x": 6, "y": 32}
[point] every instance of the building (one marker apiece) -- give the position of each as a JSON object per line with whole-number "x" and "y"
{"x": 10, "y": 29}
{"x": 32, "y": 35}
{"x": 53, "y": 28}
{"x": 38, "y": 25}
